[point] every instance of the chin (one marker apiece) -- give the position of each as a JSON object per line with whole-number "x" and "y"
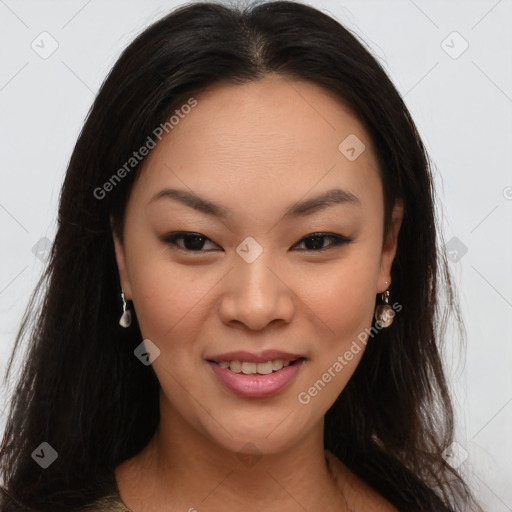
{"x": 262, "y": 434}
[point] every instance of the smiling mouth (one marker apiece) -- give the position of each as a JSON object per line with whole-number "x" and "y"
{"x": 249, "y": 368}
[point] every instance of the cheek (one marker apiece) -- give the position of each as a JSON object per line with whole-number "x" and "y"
{"x": 345, "y": 302}
{"x": 169, "y": 299}
{"x": 343, "y": 297}
{"x": 344, "y": 305}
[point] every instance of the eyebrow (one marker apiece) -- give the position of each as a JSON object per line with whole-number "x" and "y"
{"x": 301, "y": 209}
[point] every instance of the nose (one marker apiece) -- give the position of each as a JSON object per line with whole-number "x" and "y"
{"x": 256, "y": 294}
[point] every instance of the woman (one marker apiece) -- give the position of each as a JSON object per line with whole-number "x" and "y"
{"x": 243, "y": 288}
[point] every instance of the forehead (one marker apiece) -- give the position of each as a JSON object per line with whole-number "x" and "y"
{"x": 276, "y": 137}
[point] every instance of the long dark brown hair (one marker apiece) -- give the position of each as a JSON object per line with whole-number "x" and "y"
{"x": 82, "y": 390}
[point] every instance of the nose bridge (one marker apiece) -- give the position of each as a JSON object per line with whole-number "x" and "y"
{"x": 255, "y": 295}
{"x": 255, "y": 278}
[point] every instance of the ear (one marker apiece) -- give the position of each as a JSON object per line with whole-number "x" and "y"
{"x": 389, "y": 247}
{"x": 121, "y": 266}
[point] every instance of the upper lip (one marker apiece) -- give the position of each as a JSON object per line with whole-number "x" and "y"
{"x": 251, "y": 357}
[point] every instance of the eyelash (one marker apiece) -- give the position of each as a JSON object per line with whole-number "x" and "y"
{"x": 338, "y": 240}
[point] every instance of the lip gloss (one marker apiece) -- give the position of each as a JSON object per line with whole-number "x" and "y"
{"x": 256, "y": 385}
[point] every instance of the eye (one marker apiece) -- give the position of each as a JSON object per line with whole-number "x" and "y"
{"x": 195, "y": 242}
{"x": 316, "y": 241}
{"x": 192, "y": 242}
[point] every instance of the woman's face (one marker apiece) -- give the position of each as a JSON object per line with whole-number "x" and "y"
{"x": 257, "y": 280}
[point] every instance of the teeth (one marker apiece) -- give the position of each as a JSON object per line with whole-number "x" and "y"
{"x": 236, "y": 366}
{"x": 264, "y": 368}
{"x": 277, "y": 364}
{"x": 248, "y": 368}
{"x": 251, "y": 368}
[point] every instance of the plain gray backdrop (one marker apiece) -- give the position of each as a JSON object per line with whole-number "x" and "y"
{"x": 451, "y": 61}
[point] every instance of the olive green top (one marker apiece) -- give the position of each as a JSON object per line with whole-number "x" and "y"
{"x": 112, "y": 502}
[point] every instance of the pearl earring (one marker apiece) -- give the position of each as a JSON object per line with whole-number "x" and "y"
{"x": 384, "y": 312}
{"x": 126, "y": 317}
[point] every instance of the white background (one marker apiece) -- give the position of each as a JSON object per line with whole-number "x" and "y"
{"x": 462, "y": 107}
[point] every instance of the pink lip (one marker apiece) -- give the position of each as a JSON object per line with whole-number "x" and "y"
{"x": 255, "y": 385}
{"x": 261, "y": 357}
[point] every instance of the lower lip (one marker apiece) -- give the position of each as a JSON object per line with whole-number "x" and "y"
{"x": 256, "y": 385}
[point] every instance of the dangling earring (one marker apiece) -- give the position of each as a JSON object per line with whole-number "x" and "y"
{"x": 384, "y": 312}
{"x": 126, "y": 317}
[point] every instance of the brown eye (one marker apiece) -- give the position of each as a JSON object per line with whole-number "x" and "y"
{"x": 193, "y": 242}
{"x": 315, "y": 241}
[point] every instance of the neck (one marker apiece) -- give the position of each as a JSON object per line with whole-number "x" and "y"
{"x": 184, "y": 467}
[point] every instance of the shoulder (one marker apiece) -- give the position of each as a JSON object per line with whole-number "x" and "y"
{"x": 359, "y": 495}
{"x": 110, "y": 503}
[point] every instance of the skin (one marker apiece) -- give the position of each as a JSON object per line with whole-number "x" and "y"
{"x": 256, "y": 149}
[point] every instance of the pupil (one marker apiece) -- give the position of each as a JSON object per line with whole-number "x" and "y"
{"x": 317, "y": 242}
{"x": 197, "y": 242}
